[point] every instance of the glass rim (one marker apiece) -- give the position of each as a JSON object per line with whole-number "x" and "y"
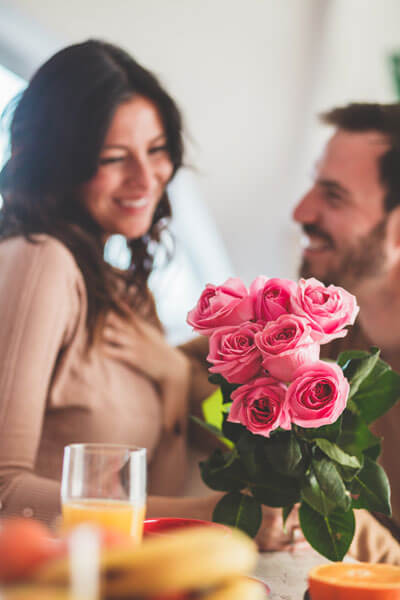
{"x": 105, "y": 446}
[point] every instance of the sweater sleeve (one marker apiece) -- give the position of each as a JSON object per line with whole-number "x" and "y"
{"x": 373, "y": 542}
{"x": 200, "y": 388}
{"x": 36, "y": 293}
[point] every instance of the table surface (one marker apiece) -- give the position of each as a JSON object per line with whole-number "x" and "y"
{"x": 285, "y": 573}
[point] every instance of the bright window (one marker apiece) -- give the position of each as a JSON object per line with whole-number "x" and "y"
{"x": 10, "y": 86}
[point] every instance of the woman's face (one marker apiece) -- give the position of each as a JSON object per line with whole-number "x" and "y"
{"x": 134, "y": 168}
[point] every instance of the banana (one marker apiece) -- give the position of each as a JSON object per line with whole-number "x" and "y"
{"x": 188, "y": 559}
{"x": 239, "y": 588}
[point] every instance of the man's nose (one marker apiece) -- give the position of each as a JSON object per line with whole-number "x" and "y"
{"x": 306, "y": 211}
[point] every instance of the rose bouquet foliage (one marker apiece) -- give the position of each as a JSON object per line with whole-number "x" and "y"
{"x": 295, "y": 428}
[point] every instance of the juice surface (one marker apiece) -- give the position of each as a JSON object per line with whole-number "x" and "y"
{"x": 111, "y": 514}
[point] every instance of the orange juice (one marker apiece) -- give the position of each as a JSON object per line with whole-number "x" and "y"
{"x": 358, "y": 581}
{"x": 112, "y": 514}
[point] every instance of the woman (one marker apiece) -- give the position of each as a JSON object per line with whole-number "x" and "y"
{"x": 94, "y": 142}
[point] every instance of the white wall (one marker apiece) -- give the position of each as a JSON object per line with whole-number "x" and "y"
{"x": 249, "y": 76}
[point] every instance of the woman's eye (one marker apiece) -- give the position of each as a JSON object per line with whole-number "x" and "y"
{"x": 107, "y": 160}
{"x": 155, "y": 149}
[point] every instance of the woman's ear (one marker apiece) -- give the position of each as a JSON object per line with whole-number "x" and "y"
{"x": 393, "y": 236}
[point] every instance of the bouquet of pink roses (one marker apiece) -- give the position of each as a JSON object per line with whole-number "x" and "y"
{"x": 296, "y": 427}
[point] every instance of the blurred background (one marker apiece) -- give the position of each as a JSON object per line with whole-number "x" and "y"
{"x": 250, "y": 77}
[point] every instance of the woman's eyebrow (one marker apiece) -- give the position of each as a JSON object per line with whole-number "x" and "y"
{"x": 118, "y": 146}
{"x": 157, "y": 138}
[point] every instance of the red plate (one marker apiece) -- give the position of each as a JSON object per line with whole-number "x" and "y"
{"x": 167, "y": 524}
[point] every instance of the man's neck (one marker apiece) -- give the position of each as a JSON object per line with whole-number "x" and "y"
{"x": 379, "y": 317}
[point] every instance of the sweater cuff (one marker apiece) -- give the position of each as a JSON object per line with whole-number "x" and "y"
{"x": 28, "y": 495}
{"x": 373, "y": 542}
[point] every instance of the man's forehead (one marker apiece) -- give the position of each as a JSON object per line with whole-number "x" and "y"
{"x": 351, "y": 156}
{"x": 367, "y": 145}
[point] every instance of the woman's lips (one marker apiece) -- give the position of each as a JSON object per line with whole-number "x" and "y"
{"x": 132, "y": 206}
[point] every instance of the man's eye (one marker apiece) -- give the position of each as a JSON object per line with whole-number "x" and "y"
{"x": 333, "y": 198}
{"x": 107, "y": 160}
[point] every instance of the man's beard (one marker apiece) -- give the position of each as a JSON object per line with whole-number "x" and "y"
{"x": 364, "y": 260}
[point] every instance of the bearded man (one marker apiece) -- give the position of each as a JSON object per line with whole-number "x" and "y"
{"x": 350, "y": 218}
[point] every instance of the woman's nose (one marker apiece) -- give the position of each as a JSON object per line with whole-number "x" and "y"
{"x": 140, "y": 176}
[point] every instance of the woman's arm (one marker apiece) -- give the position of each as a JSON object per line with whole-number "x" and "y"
{"x": 143, "y": 347}
{"x": 180, "y": 373}
{"x": 36, "y": 284}
{"x": 272, "y": 536}
{"x": 200, "y": 388}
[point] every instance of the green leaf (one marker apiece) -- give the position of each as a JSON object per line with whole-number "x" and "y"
{"x": 312, "y": 493}
{"x": 274, "y": 489}
{"x": 223, "y": 471}
{"x": 329, "y": 535}
{"x": 373, "y": 452}
{"x": 239, "y": 510}
{"x": 246, "y": 448}
{"x": 348, "y": 473}
{"x": 286, "y": 510}
{"x": 337, "y": 454}
{"x": 377, "y": 395}
{"x": 328, "y": 432}
{"x": 283, "y": 453}
{"x": 357, "y": 366}
{"x": 215, "y": 378}
{"x": 232, "y": 431}
{"x": 348, "y": 355}
{"x": 331, "y": 483}
{"x": 212, "y": 429}
{"x": 371, "y": 488}
{"x": 355, "y": 437}
{"x": 212, "y": 409}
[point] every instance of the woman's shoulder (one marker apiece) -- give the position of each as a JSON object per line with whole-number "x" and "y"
{"x": 45, "y": 246}
{"x": 42, "y": 252}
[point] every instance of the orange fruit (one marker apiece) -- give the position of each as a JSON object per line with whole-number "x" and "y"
{"x": 25, "y": 544}
{"x": 35, "y": 592}
{"x": 358, "y": 581}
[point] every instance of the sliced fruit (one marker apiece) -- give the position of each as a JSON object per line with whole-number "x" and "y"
{"x": 358, "y": 581}
{"x": 24, "y": 545}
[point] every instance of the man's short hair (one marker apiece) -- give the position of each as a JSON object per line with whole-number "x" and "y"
{"x": 384, "y": 118}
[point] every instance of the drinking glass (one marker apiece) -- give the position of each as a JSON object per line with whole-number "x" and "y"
{"x": 104, "y": 484}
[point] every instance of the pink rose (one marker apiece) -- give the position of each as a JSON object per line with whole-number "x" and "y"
{"x": 271, "y": 297}
{"x": 234, "y": 353}
{"x": 329, "y": 309}
{"x": 317, "y": 395}
{"x": 221, "y": 305}
{"x": 286, "y": 344}
{"x": 260, "y": 406}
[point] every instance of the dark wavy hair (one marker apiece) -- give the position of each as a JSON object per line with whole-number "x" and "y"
{"x": 57, "y": 132}
{"x": 385, "y": 118}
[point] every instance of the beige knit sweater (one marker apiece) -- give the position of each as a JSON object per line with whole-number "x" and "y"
{"x": 53, "y": 394}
